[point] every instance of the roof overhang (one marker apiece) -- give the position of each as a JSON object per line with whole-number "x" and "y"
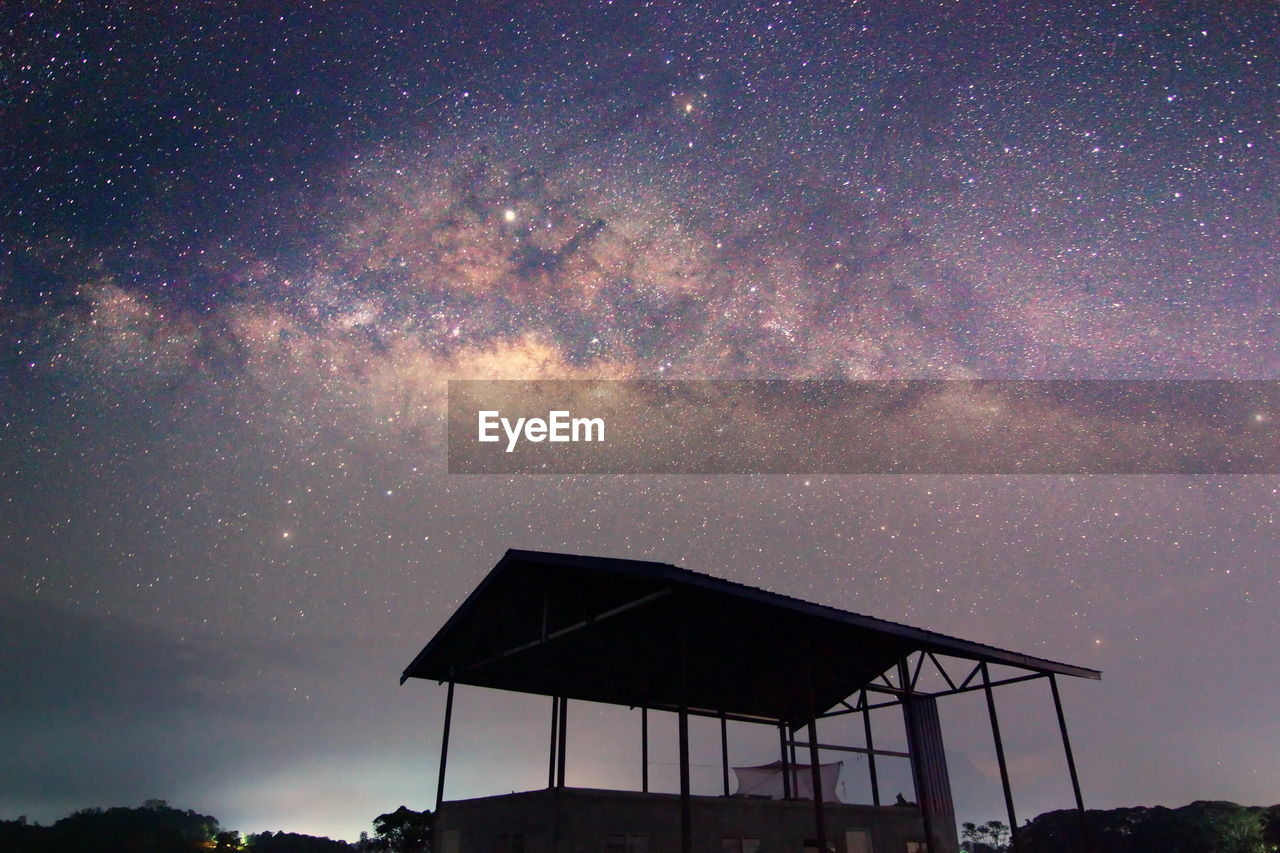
{"x": 637, "y": 633}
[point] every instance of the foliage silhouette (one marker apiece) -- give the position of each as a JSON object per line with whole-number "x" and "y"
{"x": 404, "y": 830}
{"x": 989, "y": 837}
{"x": 1200, "y": 827}
{"x": 293, "y": 842}
{"x": 154, "y": 827}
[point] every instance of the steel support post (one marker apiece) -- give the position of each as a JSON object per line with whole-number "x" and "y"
{"x": 1071, "y": 762}
{"x": 819, "y": 813}
{"x": 871, "y": 750}
{"x": 686, "y": 804}
{"x": 786, "y": 766}
{"x": 644, "y": 750}
{"x": 926, "y": 809}
{"x": 1004, "y": 768}
{"x": 724, "y": 752}
{"x": 1066, "y": 742}
{"x": 562, "y": 744}
{"x": 551, "y": 752}
{"x": 444, "y": 746}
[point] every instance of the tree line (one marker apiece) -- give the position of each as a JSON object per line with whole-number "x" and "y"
{"x": 157, "y": 827}
{"x": 1200, "y": 827}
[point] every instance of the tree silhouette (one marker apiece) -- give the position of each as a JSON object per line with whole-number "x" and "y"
{"x": 1201, "y": 827}
{"x": 404, "y": 830}
{"x": 293, "y": 842}
{"x": 989, "y": 837}
{"x": 155, "y": 827}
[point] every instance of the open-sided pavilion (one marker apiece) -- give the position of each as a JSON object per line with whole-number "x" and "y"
{"x": 657, "y": 637}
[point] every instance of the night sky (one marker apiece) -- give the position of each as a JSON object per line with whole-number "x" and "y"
{"x": 242, "y": 250}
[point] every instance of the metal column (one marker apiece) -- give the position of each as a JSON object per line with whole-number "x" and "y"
{"x": 551, "y": 753}
{"x": 1071, "y": 762}
{"x": 904, "y": 681}
{"x": 871, "y": 750}
{"x": 686, "y": 804}
{"x": 644, "y": 749}
{"x": 724, "y": 752}
{"x": 559, "y": 723}
{"x": 1066, "y": 742}
{"x": 444, "y": 746}
{"x": 819, "y": 814}
{"x": 786, "y": 767}
{"x": 564, "y": 730}
{"x": 1004, "y": 769}
{"x": 929, "y": 767}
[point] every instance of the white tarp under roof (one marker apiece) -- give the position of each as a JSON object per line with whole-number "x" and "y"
{"x": 767, "y": 781}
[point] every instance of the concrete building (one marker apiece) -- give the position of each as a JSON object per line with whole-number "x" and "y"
{"x": 658, "y": 638}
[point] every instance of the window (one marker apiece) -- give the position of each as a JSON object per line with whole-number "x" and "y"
{"x": 857, "y": 841}
{"x": 740, "y": 845}
{"x": 626, "y": 844}
{"x": 513, "y": 843}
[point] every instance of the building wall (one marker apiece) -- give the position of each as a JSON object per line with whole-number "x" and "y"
{"x": 585, "y": 817}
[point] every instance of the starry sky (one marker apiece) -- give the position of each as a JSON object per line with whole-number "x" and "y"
{"x": 244, "y": 246}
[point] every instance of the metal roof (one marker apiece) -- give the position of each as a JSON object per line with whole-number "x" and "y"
{"x": 639, "y": 633}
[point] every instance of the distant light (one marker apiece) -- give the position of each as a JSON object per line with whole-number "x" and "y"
{"x": 509, "y": 215}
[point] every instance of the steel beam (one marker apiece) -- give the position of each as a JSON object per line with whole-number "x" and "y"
{"x": 926, "y": 815}
{"x": 686, "y": 802}
{"x": 1004, "y": 769}
{"x": 547, "y": 637}
{"x": 644, "y": 749}
{"x": 724, "y": 752}
{"x": 871, "y": 749}
{"x": 915, "y": 676}
{"x": 564, "y": 737}
{"x": 1018, "y": 679}
{"x": 786, "y": 765}
{"x": 1071, "y": 764}
{"x": 938, "y": 665}
{"x": 964, "y": 688}
{"x": 551, "y": 754}
{"x": 1066, "y": 742}
{"x": 819, "y": 809}
{"x": 686, "y": 805}
{"x": 444, "y": 746}
{"x": 858, "y": 749}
